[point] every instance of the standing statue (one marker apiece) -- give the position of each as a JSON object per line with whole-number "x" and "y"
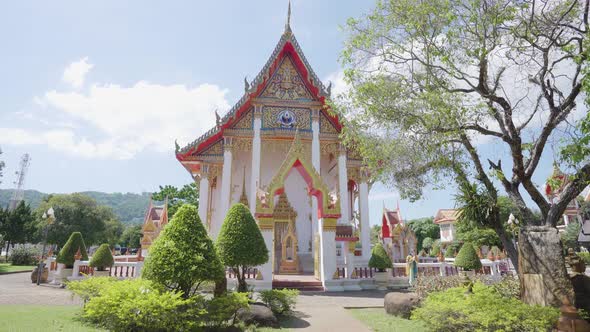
{"x": 412, "y": 269}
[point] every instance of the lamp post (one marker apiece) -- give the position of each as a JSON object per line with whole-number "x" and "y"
{"x": 50, "y": 217}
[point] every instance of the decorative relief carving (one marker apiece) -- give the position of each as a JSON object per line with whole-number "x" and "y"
{"x": 286, "y": 118}
{"x": 216, "y": 149}
{"x": 283, "y": 147}
{"x": 326, "y": 126}
{"x": 245, "y": 122}
{"x": 241, "y": 144}
{"x": 328, "y": 148}
{"x": 354, "y": 154}
{"x": 286, "y": 83}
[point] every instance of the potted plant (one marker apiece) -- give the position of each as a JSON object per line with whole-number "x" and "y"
{"x": 467, "y": 259}
{"x": 102, "y": 259}
{"x": 67, "y": 254}
{"x": 380, "y": 260}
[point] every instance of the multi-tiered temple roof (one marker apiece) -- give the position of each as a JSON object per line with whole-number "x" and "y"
{"x": 286, "y": 65}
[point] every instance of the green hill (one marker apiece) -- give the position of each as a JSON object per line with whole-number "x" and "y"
{"x": 129, "y": 207}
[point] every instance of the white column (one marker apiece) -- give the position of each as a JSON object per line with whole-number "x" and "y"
{"x": 343, "y": 186}
{"x": 364, "y": 209}
{"x": 255, "y": 170}
{"x": 224, "y": 199}
{"x": 266, "y": 268}
{"x": 315, "y": 161}
{"x": 204, "y": 194}
{"x": 328, "y": 258}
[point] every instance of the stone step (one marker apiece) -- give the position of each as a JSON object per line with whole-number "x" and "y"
{"x": 304, "y": 286}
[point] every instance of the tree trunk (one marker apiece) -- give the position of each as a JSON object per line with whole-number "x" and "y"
{"x": 7, "y": 247}
{"x": 542, "y": 271}
{"x": 220, "y": 287}
{"x": 508, "y": 246}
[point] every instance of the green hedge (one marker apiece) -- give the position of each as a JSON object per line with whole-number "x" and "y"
{"x": 379, "y": 258}
{"x": 68, "y": 252}
{"x": 484, "y": 310}
{"x": 280, "y": 301}
{"x": 102, "y": 258}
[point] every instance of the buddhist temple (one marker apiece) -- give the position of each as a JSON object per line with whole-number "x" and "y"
{"x": 553, "y": 188}
{"x": 397, "y": 236}
{"x": 277, "y": 150}
{"x": 156, "y": 217}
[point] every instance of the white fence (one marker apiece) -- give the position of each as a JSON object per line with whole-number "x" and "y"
{"x": 82, "y": 269}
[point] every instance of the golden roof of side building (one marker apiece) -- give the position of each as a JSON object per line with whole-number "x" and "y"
{"x": 446, "y": 216}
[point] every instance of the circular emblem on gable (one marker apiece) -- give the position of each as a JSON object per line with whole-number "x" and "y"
{"x": 286, "y": 119}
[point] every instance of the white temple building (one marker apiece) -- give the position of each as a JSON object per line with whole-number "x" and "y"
{"x": 277, "y": 150}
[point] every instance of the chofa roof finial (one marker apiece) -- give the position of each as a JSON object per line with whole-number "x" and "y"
{"x": 288, "y": 24}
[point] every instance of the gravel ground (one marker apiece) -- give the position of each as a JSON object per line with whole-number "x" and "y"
{"x": 17, "y": 288}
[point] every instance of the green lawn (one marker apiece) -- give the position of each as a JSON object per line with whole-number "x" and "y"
{"x": 25, "y": 318}
{"x": 378, "y": 320}
{"x": 6, "y": 268}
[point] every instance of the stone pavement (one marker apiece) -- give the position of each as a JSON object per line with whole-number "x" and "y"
{"x": 16, "y": 288}
{"x": 315, "y": 311}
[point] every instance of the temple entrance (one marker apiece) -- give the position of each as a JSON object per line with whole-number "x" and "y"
{"x": 285, "y": 238}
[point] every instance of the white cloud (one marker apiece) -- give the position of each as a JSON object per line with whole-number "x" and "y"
{"x": 111, "y": 121}
{"x": 75, "y": 73}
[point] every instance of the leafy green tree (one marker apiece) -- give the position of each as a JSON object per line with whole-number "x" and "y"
{"x": 183, "y": 256}
{"x": 424, "y": 228}
{"x": 102, "y": 258}
{"x": 427, "y": 244}
{"x": 569, "y": 237}
{"x": 467, "y": 258}
{"x": 188, "y": 194}
{"x": 131, "y": 237}
{"x": 16, "y": 225}
{"x": 432, "y": 83}
{"x": 240, "y": 243}
{"x": 380, "y": 259}
{"x": 67, "y": 254}
{"x": 74, "y": 213}
{"x": 113, "y": 232}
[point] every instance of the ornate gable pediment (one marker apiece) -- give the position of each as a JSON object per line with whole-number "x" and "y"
{"x": 286, "y": 83}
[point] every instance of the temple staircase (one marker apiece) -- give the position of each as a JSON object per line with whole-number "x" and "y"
{"x": 302, "y": 283}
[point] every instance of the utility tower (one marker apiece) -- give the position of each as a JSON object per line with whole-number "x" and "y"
{"x": 19, "y": 193}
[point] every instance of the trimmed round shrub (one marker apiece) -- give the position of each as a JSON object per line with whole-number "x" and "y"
{"x": 379, "y": 258}
{"x": 102, "y": 258}
{"x": 68, "y": 252}
{"x": 240, "y": 243}
{"x": 183, "y": 256}
{"x": 280, "y": 301}
{"x": 24, "y": 255}
{"x": 467, "y": 258}
{"x": 435, "y": 248}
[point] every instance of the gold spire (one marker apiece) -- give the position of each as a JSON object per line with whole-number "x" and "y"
{"x": 243, "y": 197}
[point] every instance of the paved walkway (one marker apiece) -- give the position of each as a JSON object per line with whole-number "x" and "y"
{"x": 315, "y": 311}
{"x": 17, "y": 288}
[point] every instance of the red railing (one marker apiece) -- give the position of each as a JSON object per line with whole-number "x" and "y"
{"x": 86, "y": 270}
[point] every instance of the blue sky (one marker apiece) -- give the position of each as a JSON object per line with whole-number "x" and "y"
{"x": 97, "y": 92}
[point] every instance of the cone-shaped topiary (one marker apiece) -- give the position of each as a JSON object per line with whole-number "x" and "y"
{"x": 467, "y": 258}
{"x": 102, "y": 258}
{"x": 68, "y": 252}
{"x": 435, "y": 248}
{"x": 380, "y": 259}
{"x": 183, "y": 256}
{"x": 240, "y": 243}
